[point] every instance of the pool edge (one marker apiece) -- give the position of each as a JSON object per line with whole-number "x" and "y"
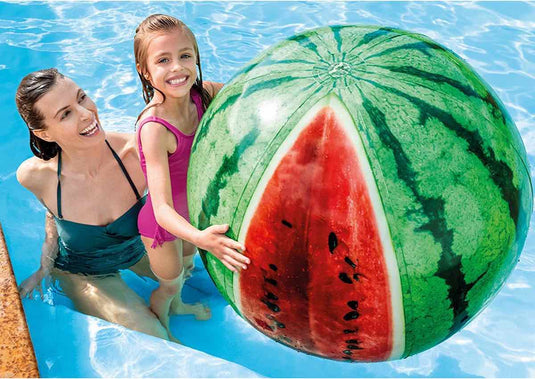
{"x": 17, "y": 357}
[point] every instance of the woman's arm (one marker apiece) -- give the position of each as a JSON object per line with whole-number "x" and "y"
{"x": 154, "y": 139}
{"x": 49, "y": 252}
{"x": 37, "y": 176}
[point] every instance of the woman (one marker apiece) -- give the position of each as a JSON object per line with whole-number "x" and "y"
{"x": 91, "y": 183}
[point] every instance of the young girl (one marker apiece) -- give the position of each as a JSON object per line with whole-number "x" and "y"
{"x": 167, "y": 58}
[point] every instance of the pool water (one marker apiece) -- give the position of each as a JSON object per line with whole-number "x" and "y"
{"x": 92, "y": 43}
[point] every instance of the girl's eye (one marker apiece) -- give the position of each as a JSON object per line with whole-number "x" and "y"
{"x": 65, "y": 114}
{"x": 185, "y": 56}
{"x": 163, "y": 60}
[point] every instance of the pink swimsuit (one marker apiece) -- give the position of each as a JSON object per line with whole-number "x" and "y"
{"x": 178, "y": 171}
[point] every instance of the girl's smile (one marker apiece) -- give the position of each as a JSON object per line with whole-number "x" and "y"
{"x": 171, "y": 63}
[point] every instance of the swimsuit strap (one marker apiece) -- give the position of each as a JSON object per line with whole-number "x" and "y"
{"x": 121, "y": 165}
{"x": 58, "y": 196}
{"x": 125, "y": 172}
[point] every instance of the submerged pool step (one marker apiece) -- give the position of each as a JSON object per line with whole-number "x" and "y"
{"x": 17, "y": 358}
{"x": 71, "y": 344}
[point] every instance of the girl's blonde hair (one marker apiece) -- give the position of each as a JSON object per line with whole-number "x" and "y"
{"x": 157, "y": 24}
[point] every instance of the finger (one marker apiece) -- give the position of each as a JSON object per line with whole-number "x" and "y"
{"x": 234, "y": 262}
{"x": 228, "y": 265}
{"x": 234, "y": 244}
{"x": 240, "y": 258}
{"x": 22, "y": 292}
{"x": 220, "y": 228}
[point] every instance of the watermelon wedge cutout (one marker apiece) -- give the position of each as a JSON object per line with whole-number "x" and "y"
{"x": 295, "y": 221}
{"x": 432, "y": 203}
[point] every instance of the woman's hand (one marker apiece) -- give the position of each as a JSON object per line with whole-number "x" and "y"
{"x": 228, "y": 251}
{"x": 34, "y": 282}
{"x": 49, "y": 252}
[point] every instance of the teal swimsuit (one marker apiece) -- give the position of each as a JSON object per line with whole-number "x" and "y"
{"x": 99, "y": 250}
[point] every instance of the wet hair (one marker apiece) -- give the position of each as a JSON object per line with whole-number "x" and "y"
{"x": 31, "y": 88}
{"x": 158, "y": 24}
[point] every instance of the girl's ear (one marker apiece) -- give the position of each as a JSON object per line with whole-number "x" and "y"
{"x": 43, "y": 134}
{"x": 144, "y": 74}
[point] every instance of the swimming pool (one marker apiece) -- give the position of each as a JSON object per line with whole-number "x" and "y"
{"x": 92, "y": 42}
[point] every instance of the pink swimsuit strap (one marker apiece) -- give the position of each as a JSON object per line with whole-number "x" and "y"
{"x": 196, "y": 97}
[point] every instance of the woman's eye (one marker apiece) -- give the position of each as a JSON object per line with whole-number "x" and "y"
{"x": 65, "y": 114}
{"x": 83, "y": 97}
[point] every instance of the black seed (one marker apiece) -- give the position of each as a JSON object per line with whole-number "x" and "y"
{"x": 344, "y": 278}
{"x": 273, "y": 267}
{"x": 271, "y": 306}
{"x": 351, "y": 315}
{"x": 353, "y": 304}
{"x": 348, "y": 352}
{"x": 281, "y": 325}
{"x": 286, "y": 223}
{"x": 356, "y": 276}
{"x": 354, "y": 347}
{"x": 350, "y": 262}
{"x": 350, "y": 331}
{"x": 353, "y": 341}
{"x": 271, "y": 296}
{"x": 333, "y": 242}
{"x": 271, "y": 281}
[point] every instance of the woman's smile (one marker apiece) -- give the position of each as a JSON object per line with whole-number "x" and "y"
{"x": 91, "y": 130}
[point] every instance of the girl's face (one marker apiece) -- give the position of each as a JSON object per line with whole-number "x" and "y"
{"x": 69, "y": 114}
{"x": 171, "y": 63}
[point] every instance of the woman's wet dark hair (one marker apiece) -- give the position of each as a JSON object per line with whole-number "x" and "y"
{"x": 31, "y": 88}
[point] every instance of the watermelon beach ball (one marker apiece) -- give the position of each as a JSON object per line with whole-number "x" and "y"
{"x": 379, "y": 185}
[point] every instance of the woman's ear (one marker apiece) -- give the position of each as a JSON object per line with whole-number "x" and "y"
{"x": 43, "y": 134}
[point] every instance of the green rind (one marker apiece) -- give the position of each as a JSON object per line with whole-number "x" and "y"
{"x": 439, "y": 142}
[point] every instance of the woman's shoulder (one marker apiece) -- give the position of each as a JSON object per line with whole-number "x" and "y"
{"x": 122, "y": 143}
{"x": 35, "y": 174}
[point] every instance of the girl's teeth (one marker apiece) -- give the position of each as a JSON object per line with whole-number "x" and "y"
{"x": 177, "y": 81}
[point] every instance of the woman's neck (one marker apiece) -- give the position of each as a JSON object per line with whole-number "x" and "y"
{"x": 85, "y": 162}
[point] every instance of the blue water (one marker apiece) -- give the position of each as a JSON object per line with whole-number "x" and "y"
{"x": 92, "y": 43}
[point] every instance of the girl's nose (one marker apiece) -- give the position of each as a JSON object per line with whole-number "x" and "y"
{"x": 177, "y": 66}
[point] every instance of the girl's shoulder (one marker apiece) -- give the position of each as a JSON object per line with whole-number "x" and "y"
{"x": 212, "y": 87}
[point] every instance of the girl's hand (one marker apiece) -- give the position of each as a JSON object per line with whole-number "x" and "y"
{"x": 228, "y": 251}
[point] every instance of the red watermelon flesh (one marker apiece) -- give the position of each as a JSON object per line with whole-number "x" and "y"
{"x": 318, "y": 280}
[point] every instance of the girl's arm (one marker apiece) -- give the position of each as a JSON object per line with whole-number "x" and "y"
{"x": 155, "y": 142}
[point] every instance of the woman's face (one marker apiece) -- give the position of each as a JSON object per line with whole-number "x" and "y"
{"x": 70, "y": 116}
